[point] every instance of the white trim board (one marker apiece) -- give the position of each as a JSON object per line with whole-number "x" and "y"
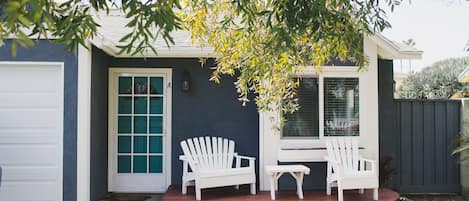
{"x": 387, "y": 49}
{"x": 84, "y": 123}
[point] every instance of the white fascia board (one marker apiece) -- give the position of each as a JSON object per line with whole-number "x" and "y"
{"x": 388, "y": 50}
{"x": 104, "y": 44}
{"x": 172, "y": 52}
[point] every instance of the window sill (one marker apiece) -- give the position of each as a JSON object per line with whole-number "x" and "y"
{"x": 303, "y": 150}
{"x": 303, "y": 143}
{"x": 303, "y": 155}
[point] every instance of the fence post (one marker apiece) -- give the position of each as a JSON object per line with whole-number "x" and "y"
{"x": 465, "y": 131}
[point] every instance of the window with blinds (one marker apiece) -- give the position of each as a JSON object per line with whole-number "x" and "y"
{"x": 341, "y": 107}
{"x": 305, "y": 121}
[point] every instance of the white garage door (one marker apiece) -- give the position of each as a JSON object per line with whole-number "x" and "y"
{"x": 31, "y": 105}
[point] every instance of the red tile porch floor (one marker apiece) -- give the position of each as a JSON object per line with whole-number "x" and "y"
{"x": 231, "y": 194}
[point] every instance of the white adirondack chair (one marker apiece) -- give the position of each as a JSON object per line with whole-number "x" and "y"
{"x": 346, "y": 169}
{"x": 211, "y": 162}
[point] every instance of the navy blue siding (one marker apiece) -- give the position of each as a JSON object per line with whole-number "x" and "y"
{"x": 47, "y": 51}
{"x": 99, "y": 123}
{"x": 387, "y": 108}
{"x": 207, "y": 109}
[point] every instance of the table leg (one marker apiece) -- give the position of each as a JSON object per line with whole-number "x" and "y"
{"x": 272, "y": 186}
{"x": 299, "y": 183}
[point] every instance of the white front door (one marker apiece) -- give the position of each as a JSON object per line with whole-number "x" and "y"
{"x": 139, "y": 129}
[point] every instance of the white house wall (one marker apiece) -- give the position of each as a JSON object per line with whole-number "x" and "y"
{"x": 270, "y": 140}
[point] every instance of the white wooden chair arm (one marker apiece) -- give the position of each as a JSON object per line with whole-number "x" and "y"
{"x": 239, "y": 158}
{"x": 371, "y": 162}
{"x": 182, "y": 158}
{"x": 245, "y": 157}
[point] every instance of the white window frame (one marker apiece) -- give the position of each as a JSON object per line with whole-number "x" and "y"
{"x": 327, "y": 72}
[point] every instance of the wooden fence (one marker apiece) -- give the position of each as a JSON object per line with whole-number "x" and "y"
{"x": 418, "y": 135}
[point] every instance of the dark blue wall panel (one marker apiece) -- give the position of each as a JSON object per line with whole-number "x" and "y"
{"x": 47, "y": 51}
{"x": 99, "y": 127}
{"x": 209, "y": 109}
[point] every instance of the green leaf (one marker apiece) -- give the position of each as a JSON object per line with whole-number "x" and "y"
{"x": 126, "y": 37}
{"x": 13, "y": 48}
{"x": 460, "y": 149}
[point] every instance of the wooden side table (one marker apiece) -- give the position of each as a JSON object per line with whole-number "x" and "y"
{"x": 296, "y": 171}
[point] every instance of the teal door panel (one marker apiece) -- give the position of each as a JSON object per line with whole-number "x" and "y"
{"x": 140, "y": 109}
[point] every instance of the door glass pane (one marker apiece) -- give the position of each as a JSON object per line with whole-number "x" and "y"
{"x": 125, "y": 105}
{"x": 140, "y": 164}
{"x": 140, "y": 144}
{"x": 124, "y": 124}
{"x": 156, "y": 164}
{"x": 156, "y": 144}
{"x": 156, "y": 105}
{"x": 140, "y": 105}
{"x": 156, "y": 125}
{"x": 140, "y": 125}
{"x": 125, "y": 85}
{"x": 124, "y": 144}
{"x": 123, "y": 164}
{"x": 156, "y": 85}
{"x": 140, "y": 85}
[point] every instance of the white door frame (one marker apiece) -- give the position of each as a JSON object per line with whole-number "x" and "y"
{"x": 112, "y": 114}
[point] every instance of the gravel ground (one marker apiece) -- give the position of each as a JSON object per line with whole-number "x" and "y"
{"x": 434, "y": 198}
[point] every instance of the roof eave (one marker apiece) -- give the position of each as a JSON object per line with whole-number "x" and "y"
{"x": 388, "y": 50}
{"x": 174, "y": 52}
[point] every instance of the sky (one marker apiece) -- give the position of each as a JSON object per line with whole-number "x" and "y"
{"x": 439, "y": 27}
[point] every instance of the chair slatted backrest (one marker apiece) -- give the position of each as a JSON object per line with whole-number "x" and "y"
{"x": 214, "y": 153}
{"x": 344, "y": 150}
